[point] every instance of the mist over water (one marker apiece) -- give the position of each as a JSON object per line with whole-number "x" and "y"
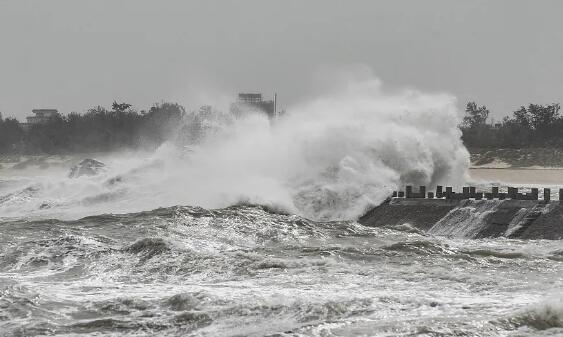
{"x": 329, "y": 158}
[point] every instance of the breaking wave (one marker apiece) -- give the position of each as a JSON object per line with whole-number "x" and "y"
{"x": 541, "y": 316}
{"x": 329, "y": 158}
{"x": 245, "y": 270}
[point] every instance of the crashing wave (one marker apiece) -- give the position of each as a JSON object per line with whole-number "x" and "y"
{"x": 330, "y": 158}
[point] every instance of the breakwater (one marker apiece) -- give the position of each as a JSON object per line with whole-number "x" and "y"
{"x": 470, "y": 192}
{"x": 473, "y": 214}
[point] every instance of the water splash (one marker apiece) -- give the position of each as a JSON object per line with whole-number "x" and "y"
{"x": 329, "y": 158}
{"x": 466, "y": 220}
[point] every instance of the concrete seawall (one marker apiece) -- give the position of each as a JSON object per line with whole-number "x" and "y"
{"x": 511, "y": 218}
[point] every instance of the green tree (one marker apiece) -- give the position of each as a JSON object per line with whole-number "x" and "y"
{"x": 475, "y": 116}
{"x": 11, "y": 135}
{"x": 543, "y": 117}
{"x": 120, "y": 107}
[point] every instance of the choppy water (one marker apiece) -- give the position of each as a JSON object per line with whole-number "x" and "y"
{"x": 244, "y": 271}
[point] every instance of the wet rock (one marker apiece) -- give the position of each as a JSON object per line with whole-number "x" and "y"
{"x": 87, "y": 167}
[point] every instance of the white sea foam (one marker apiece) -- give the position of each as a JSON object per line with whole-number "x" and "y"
{"x": 329, "y": 158}
{"x": 544, "y": 315}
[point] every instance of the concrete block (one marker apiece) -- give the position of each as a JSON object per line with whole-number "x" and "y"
{"x": 408, "y": 191}
{"x": 449, "y": 192}
{"x": 465, "y": 192}
{"x": 422, "y": 192}
{"x": 512, "y": 193}
{"x": 439, "y": 191}
{"x": 535, "y": 193}
{"x": 430, "y": 195}
{"x": 546, "y": 195}
{"x": 394, "y": 194}
{"x": 495, "y": 192}
{"x": 401, "y": 194}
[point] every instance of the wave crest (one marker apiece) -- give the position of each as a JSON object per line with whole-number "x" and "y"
{"x": 329, "y": 158}
{"x": 541, "y": 316}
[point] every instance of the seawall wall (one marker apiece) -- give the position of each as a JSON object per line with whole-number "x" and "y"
{"x": 524, "y": 217}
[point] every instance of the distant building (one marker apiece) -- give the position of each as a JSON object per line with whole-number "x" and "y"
{"x": 41, "y": 116}
{"x": 250, "y": 102}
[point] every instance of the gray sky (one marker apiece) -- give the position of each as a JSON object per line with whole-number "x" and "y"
{"x": 75, "y": 54}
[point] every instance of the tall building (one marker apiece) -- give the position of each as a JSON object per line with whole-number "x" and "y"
{"x": 252, "y": 103}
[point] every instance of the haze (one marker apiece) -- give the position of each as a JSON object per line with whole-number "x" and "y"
{"x": 72, "y": 55}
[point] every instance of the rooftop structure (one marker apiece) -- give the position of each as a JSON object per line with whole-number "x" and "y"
{"x": 249, "y": 98}
{"x": 42, "y": 116}
{"x": 253, "y": 102}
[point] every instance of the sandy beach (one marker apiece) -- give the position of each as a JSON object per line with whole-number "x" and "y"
{"x": 529, "y": 176}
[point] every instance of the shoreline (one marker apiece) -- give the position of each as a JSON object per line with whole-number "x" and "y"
{"x": 518, "y": 168}
{"x": 518, "y": 175}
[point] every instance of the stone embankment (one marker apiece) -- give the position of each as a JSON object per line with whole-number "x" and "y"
{"x": 472, "y": 213}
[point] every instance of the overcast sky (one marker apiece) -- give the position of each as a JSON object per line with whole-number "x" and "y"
{"x": 74, "y": 54}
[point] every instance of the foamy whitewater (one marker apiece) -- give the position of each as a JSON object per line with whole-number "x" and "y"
{"x": 331, "y": 159}
{"x": 253, "y": 232}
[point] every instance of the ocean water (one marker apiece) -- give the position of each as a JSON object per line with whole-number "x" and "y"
{"x": 113, "y": 254}
{"x": 251, "y": 271}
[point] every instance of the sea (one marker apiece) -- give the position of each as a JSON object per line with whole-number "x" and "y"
{"x": 159, "y": 247}
{"x": 249, "y": 270}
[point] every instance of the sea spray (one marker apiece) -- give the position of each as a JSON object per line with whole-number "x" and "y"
{"x": 329, "y": 158}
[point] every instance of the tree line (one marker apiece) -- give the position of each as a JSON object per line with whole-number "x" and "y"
{"x": 99, "y": 129}
{"x": 534, "y": 125}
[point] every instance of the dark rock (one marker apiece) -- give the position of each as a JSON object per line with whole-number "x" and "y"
{"x": 87, "y": 167}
